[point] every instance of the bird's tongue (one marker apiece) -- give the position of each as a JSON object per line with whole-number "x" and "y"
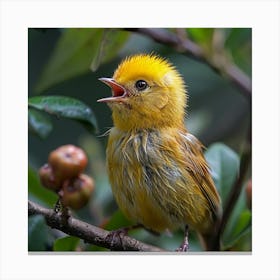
{"x": 117, "y": 90}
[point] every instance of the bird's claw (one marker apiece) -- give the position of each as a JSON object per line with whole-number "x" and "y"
{"x": 185, "y": 244}
{"x": 114, "y": 238}
{"x": 183, "y": 248}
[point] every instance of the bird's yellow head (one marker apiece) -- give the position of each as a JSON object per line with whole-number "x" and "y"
{"x": 147, "y": 92}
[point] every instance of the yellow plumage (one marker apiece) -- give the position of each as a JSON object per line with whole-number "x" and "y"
{"x": 157, "y": 170}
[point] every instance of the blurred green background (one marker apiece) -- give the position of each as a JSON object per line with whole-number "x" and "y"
{"x": 68, "y": 62}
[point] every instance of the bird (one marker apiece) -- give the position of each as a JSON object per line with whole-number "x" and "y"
{"x": 156, "y": 167}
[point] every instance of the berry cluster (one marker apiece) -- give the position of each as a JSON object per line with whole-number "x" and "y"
{"x": 63, "y": 175}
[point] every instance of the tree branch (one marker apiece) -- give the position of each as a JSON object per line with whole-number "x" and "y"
{"x": 237, "y": 187}
{"x": 89, "y": 233}
{"x": 189, "y": 48}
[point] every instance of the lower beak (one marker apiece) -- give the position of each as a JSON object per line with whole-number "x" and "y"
{"x": 118, "y": 91}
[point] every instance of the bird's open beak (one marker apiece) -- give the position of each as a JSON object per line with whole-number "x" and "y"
{"x": 118, "y": 92}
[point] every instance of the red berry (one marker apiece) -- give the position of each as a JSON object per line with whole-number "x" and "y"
{"x": 67, "y": 162}
{"x": 76, "y": 192}
{"x": 47, "y": 178}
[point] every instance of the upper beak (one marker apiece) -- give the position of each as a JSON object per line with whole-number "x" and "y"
{"x": 118, "y": 91}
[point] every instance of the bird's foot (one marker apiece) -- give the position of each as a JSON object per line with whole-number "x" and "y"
{"x": 114, "y": 238}
{"x": 183, "y": 248}
{"x": 185, "y": 244}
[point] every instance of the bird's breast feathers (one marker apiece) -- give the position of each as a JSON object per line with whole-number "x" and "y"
{"x": 160, "y": 179}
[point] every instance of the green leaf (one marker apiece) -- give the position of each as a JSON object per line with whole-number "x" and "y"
{"x": 202, "y": 36}
{"x": 243, "y": 222}
{"x": 38, "y": 123}
{"x": 239, "y": 223}
{"x": 68, "y": 243}
{"x": 243, "y": 242}
{"x": 239, "y": 45}
{"x": 77, "y": 51}
{"x": 237, "y": 37}
{"x": 37, "y": 233}
{"x": 72, "y": 56}
{"x": 66, "y": 107}
{"x": 224, "y": 163}
{"x": 37, "y": 192}
{"x": 91, "y": 247}
{"x": 111, "y": 43}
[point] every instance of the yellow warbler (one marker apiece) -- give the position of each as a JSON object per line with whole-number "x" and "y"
{"x": 157, "y": 170}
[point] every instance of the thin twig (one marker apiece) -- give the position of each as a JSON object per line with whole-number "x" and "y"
{"x": 89, "y": 233}
{"x": 237, "y": 187}
{"x": 190, "y": 48}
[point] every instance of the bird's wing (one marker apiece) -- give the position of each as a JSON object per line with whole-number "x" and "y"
{"x": 200, "y": 171}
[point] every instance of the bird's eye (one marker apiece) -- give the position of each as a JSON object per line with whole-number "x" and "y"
{"x": 141, "y": 85}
